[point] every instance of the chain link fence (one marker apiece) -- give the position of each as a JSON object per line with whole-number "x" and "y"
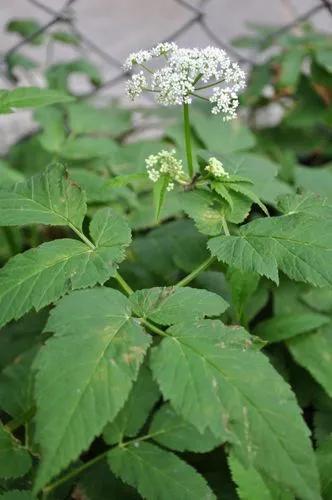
{"x": 88, "y": 48}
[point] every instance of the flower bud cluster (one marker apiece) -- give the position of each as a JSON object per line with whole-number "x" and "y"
{"x": 215, "y": 167}
{"x": 185, "y": 74}
{"x": 165, "y": 163}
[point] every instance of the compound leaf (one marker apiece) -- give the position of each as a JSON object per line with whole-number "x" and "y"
{"x": 91, "y": 387}
{"x": 216, "y": 380}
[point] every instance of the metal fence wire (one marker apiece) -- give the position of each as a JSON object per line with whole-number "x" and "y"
{"x": 198, "y": 17}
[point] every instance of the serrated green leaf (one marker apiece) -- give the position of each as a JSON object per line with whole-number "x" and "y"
{"x": 15, "y": 461}
{"x": 219, "y": 188}
{"x": 205, "y": 209}
{"x": 216, "y": 381}
{"x": 243, "y": 189}
{"x": 298, "y": 244}
{"x": 313, "y": 351}
{"x": 289, "y": 325}
{"x": 92, "y": 386}
{"x": 131, "y": 418}
{"x": 258, "y": 169}
{"x": 170, "y": 430}
{"x": 309, "y": 203}
{"x": 170, "y": 305}
{"x": 251, "y": 485}
{"x": 46, "y": 198}
{"x": 30, "y": 97}
{"x": 157, "y": 473}
{"x": 324, "y": 461}
{"x": 42, "y": 275}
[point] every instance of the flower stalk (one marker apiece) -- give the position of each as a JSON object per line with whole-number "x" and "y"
{"x": 187, "y": 138}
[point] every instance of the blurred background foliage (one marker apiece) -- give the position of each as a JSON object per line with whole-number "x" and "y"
{"x": 282, "y": 142}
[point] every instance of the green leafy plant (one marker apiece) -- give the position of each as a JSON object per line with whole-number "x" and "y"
{"x": 165, "y": 304}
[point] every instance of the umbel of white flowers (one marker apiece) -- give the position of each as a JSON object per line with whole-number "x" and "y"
{"x": 176, "y": 75}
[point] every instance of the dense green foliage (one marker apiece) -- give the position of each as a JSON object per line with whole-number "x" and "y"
{"x": 179, "y": 356}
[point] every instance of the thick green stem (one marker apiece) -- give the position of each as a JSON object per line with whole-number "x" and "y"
{"x": 187, "y": 136}
{"x": 199, "y": 269}
{"x": 124, "y": 285}
{"x": 153, "y": 328}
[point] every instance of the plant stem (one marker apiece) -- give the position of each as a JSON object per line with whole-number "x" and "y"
{"x": 196, "y": 272}
{"x": 187, "y": 136}
{"x": 225, "y": 226}
{"x": 93, "y": 461}
{"x": 153, "y": 327}
{"x": 82, "y": 236}
{"x": 14, "y": 424}
{"x": 200, "y": 97}
{"x": 75, "y": 472}
{"x": 210, "y": 85}
{"x": 124, "y": 285}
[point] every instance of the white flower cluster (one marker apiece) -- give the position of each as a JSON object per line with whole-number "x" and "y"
{"x": 164, "y": 163}
{"x": 215, "y": 167}
{"x": 187, "y": 73}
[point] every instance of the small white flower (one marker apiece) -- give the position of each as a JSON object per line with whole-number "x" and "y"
{"x": 163, "y": 49}
{"x": 226, "y": 102}
{"x": 139, "y": 57}
{"x": 164, "y": 163}
{"x": 186, "y": 73}
{"x": 136, "y": 85}
{"x": 215, "y": 167}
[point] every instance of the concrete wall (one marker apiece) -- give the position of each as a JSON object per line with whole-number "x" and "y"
{"x": 122, "y": 26}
